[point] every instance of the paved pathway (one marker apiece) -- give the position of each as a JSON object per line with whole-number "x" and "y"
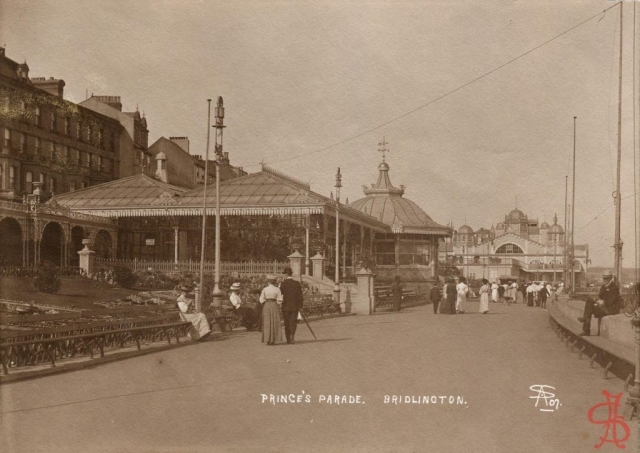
{"x": 207, "y": 397}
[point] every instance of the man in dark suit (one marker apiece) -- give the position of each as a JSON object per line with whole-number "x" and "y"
{"x": 608, "y": 303}
{"x": 292, "y": 300}
{"x": 435, "y": 296}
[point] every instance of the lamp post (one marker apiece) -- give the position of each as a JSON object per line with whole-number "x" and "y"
{"x": 336, "y": 289}
{"x": 200, "y": 289}
{"x": 217, "y": 294}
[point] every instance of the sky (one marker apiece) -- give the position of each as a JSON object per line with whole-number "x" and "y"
{"x": 310, "y": 86}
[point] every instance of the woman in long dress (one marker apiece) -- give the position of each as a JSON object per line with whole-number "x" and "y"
{"x": 462, "y": 289}
{"x": 449, "y": 293}
{"x": 494, "y": 291}
{"x": 484, "y": 297}
{"x": 271, "y": 299}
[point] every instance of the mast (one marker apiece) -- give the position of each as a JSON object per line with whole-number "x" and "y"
{"x": 617, "y": 260}
{"x": 573, "y": 213}
{"x": 564, "y": 245}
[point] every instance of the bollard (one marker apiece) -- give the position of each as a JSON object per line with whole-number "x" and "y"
{"x": 581, "y": 352}
{"x": 593, "y": 359}
{"x": 606, "y": 370}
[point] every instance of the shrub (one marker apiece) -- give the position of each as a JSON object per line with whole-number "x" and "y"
{"x": 124, "y": 277}
{"x": 48, "y": 278}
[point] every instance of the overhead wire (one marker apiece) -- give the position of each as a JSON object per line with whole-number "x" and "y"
{"x": 447, "y": 94}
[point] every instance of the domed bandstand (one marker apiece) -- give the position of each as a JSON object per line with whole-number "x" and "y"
{"x": 410, "y": 248}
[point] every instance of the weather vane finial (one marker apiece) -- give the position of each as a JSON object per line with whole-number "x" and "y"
{"x": 383, "y": 148}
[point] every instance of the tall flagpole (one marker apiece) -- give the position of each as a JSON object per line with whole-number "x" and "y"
{"x": 617, "y": 261}
{"x": 198, "y": 307}
{"x": 565, "y": 244}
{"x": 573, "y": 213}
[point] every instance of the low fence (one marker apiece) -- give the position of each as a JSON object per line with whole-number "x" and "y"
{"x": 171, "y": 267}
{"x": 31, "y": 271}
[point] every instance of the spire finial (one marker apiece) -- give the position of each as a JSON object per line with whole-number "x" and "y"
{"x": 383, "y": 148}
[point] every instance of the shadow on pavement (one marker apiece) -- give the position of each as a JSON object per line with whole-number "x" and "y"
{"x": 328, "y": 340}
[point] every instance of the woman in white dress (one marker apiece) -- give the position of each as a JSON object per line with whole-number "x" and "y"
{"x": 484, "y": 297}
{"x": 462, "y": 290}
{"x": 494, "y": 291}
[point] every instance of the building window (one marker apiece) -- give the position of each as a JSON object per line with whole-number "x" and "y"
{"x": 12, "y": 178}
{"x": 89, "y": 133}
{"x": 23, "y": 143}
{"x": 386, "y": 253}
{"x": 36, "y": 148}
{"x": 67, "y": 125}
{"x": 1, "y": 176}
{"x": 509, "y": 249}
{"x": 78, "y": 155}
{"x": 28, "y": 186}
{"x": 38, "y": 116}
{"x": 7, "y": 138}
{"x": 79, "y": 130}
{"x": 42, "y": 178}
{"x": 414, "y": 253}
{"x": 23, "y": 108}
{"x": 100, "y": 164}
{"x": 101, "y": 137}
{"x": 88, "y": 160}
{"x": 54, "y": 121}
{"x": 52, "y": 185}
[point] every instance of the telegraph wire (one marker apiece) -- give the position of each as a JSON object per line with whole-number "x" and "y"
{"x": 434, "y": 100}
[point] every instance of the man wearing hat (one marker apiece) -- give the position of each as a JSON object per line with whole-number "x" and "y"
{"x": 249, "y": 319}
{"x": 292, "y": 300}
{"x": 608, "y": 303}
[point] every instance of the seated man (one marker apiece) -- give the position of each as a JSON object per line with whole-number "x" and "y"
{"x": 199, "y": 320}
{"x": 607, "y": 304}
{"x": 249, "y": 318}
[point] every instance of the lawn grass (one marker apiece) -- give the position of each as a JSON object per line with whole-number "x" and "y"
{"x": 75, "y": 292}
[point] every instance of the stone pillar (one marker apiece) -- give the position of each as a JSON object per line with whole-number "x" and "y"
{"x": 363, "y": 303}
{"x": 307, "y": 263}
{"x": 176, "y": 241}
{"x": 198, "y": 304}
{"x": 318, "y": 266}
{"x": 295, "y": 261}
{"x": 87, "y": 258}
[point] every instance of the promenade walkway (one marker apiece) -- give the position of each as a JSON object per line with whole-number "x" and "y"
{"x": 215, "y": 396}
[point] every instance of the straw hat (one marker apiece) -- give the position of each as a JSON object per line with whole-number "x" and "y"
{"x": 607, "y": 274}
{"x": 235, "y": 287}
{"x": 271, "y": 278}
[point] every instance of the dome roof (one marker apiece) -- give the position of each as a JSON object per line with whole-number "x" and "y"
{"x": 465, "y": 229}
{"x": 385, "y": 202}
{"x": 544, "y": 225}
{"x": 556, "y": 229}
{"x": 516, "y": 216}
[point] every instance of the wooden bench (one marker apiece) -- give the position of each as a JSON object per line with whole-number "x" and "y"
{"x": 32, "y": 348}
{"x": 384, "y": 296}
{"x": 320, "y": 305}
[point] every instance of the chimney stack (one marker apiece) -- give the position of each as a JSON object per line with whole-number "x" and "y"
{"x": 182, "y": 142}
{"x": 50, "y": 85}
{"x": 113, "y": 101}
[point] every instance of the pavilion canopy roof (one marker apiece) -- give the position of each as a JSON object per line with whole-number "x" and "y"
{"x": 268, "y": 192}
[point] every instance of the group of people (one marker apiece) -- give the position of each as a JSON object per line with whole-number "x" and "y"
{"x": 288, "y": 298}
{"x": 451, "y": 298}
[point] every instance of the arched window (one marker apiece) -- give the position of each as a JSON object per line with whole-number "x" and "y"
{"x": 509, "y": 249}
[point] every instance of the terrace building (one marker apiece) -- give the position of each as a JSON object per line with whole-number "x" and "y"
{"x": 48, "y": 140}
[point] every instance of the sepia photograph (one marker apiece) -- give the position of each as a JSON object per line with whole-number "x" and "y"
{"x": 320, "y": 226}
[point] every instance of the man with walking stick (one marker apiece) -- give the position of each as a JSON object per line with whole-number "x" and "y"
{"x": 292, "y": 300}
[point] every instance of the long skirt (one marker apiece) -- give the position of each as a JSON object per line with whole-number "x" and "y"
{"x": 200, "y": 325}
{"x": 271, "y": 329}
{"x": 448, "y": 305}
{"x": 460, "y": 302}
{"x": 530, "y": 299}
{"x": 519, "y": 297}
{"x": 494, "y": 295}
{"x": 484, "y": 302}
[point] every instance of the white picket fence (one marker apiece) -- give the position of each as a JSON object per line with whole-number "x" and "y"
{"x": 169, "y": 267}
